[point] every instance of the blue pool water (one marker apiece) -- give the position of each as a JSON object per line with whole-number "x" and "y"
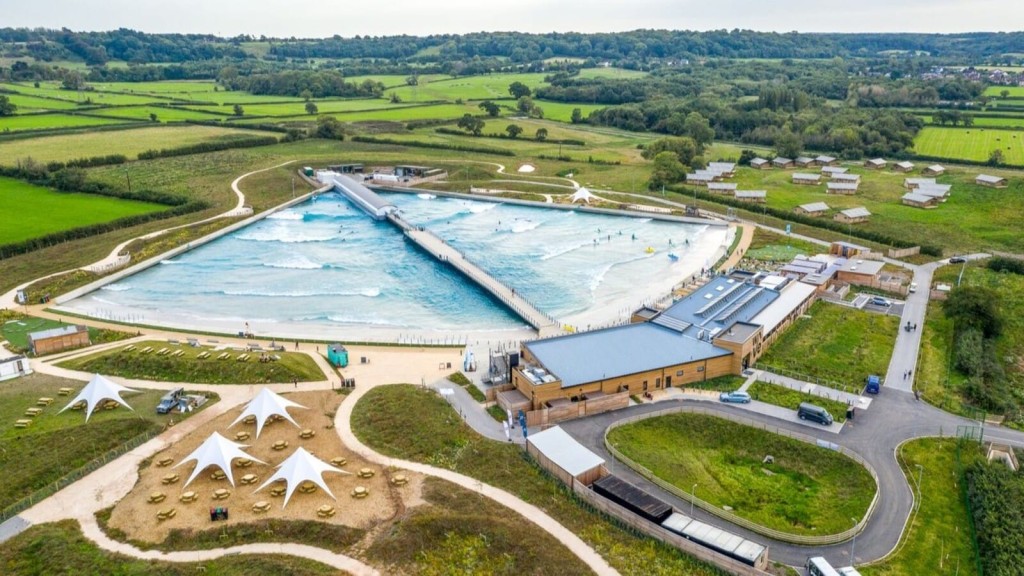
{"x": 324, "y": 267}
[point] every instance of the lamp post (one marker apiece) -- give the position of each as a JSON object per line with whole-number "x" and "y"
{"x": 853, "y": 546}
{"x": 692, "y": 492}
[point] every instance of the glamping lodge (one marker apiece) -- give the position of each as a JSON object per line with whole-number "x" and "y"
{"x": 853, "y": 215}
{"x": 876, "y": 164}
{"x": 991, "y": 181}
{"x": 813, "y": 209}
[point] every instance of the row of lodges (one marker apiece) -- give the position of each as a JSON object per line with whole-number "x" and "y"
{"x": 801, "y": 162}
{"x": 849, "y": 216}
{"x": 715, "y": 172}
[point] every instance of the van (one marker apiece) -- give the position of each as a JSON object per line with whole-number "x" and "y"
{"x": 169, "y": 401}
{"x": 808, "y": 411}
{"x": 874, "y": 384}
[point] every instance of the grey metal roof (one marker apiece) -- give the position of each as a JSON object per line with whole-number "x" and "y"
{"x": 859, "y": 212}
{"x": 781, "y": 160}
{"x": 564, "y": 451}
{"x": 814, "y": 207}
{"x": 877, "y": 161}
{"x": 825, "y": 159}
{"x": 758, "y": 161}
{"x": 834, "y": 170}
{"x": 938, "y": 191}
{"x": 803, "y": 176}
{"x": 919, "y": 198}
{"x": 366, "y": 195}
{"x": 722, "y": 186}
{"x": 718, "y": 304}
{"x": 804, "y": 160}
{"x": 843, "y": 186}
{"x": 53, "y": 332}
{"x": 905, "y": 164}
{"x": 989, "y": 179}
{"x": 751, "y": 193}
{"x": 845, "y": 177}
{"x": 614, "y": 352}
{"x": 722, "y": 166}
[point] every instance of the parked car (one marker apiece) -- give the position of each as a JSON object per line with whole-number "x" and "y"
{"x": 913, "y": 287}
{"x": 169, "y": 401}
{"x": 879, "y": 301}
{"x": 874, "y": 384}
{"x": 735, "y": 397}
{"x": 808, "y": 411}
{"x": 957, "y": 260}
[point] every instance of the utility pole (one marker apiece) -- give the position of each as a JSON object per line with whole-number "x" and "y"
{"x": 129, "y": 178}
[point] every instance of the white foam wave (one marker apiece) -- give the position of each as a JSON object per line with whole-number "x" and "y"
{"x": 118, "y": 287}
{"x": 426, "y": 196}
{"x": 563, "y": 251}
{"x": 295, "y": 263}
{"x": 170, "y": 262}
{"x": 284, "y": 236}
{"x": 524, "y": 226}
{"x": 481, "y": 208}
{"x": 285, "y": 216}
{"x": 367, "y": 292}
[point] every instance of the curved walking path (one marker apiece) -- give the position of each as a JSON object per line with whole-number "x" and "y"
{"x": 342, "y": 423}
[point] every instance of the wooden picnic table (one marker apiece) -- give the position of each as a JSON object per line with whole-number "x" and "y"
{"x": 221, "y": 493}
{"x": 360, "y": 492}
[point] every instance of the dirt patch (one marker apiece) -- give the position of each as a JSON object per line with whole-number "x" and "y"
{"x": 137, "y": 518}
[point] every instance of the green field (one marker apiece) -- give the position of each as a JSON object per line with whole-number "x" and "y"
{"x": 1001, "y": 122}
{"x": 383, "y": 418}
{"x": 778, "y": 247}
{"x": 970, "y": 144}
{"x": 165, "y": 88}
{"x": 937, "y": 541}
{"x": 49, "y": 121}
{"x": 31, "y": 211}
{"x": 53, "y": 90}
{"x": 836, "y": 344}
{"x": 562, "y": 111}
{"x": 188, "y": 368}
{"x": 66, "y": 147}
{"x": 15, "y": 328}
{"x": 299, "y": 108}
{"x": 490, "y": 87}
{"x": 439, "y": 111}
{"x": 1015, "y": 91}
{"x": 163, "y": 113}
{"x": 27, "y": 104}
{"x": 808, "y": 490}
{"x": 617, "y": 73}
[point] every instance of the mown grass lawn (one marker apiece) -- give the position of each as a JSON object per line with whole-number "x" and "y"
{"x": 56, "y": 444}
{"x": 18, "y": 123}
{"x": 808, "y": 490}
{"x": 836, "y": 343}
{"x": 31, "y": 211}
{"x": 972, "y": 144}
{"x": 383, "y": 418}
{"x": 777, "y": 247}
{"x": 938, "y": 540}
{"x": 789, "y": 398}
{"x": 188, "y": 368}
{"x": 61, "y": 548}
{"x": 15, "y": 328}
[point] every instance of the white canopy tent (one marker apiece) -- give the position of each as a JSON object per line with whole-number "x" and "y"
{"x": 96, "y": 391}
{"x": 215, "y": 451}
{"x": 581, "y": 195}
{"x": 298, "y": 468}
{"x": 266, "y": 404}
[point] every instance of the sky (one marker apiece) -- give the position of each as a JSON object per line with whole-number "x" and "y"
{"x": 321, "y": 18}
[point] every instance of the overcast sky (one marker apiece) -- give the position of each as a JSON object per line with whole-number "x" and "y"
{"x": 319, "y": 18}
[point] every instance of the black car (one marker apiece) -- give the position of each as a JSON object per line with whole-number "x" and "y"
{"x": 957, "y": 260}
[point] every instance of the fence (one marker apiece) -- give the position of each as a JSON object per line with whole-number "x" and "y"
{"x": 904, "y": 252}
{"x": 53, "y": 487}
{"x": 779, "y": 535}
{"x": 807, "y": 378}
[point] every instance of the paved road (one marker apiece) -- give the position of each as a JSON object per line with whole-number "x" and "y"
{"x": 893, "y": 418}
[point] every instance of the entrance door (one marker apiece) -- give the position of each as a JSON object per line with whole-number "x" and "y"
{"x": 668, "y": 381}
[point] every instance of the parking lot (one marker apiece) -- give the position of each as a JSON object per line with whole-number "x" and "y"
{"x": 867, "y": 302}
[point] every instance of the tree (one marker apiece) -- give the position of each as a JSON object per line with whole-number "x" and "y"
{"x": 471, "y": 123}
{"x": 72, "y": 81}
{"x": 536, "y": 112}
{"x": 684, "y": 148}
{"x": 395, "y": 98}
{"x": 513, "y": 130}
{"x": 524, "y": 104}
{"x": 667, "y": 170}
{"x": 239, "y": 110}
{"x": 330, "y": 128}
{"x": 306, "y": 95}
{"x": 311, "y": 108}
{"x": 577, "y": 116}
{"x": 974, "y": 307}
{"x": 518, "y": 90}
{"x": 542, "y": 134}
{"x": 788, "y": 144}
{"x": 996, "y": 158}
{"x": 746, "y": 155}
{"x": 6, "y": 107}
{"x": 699, "y": 128}
{"x": 152, "y": 116}
{"x": 491, "y": 108}
{"x": 1004, "y": 94}
{"x": 413, "y": 80}
{"x": 968, "y": 120}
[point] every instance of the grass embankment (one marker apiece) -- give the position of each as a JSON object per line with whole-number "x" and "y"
{"x": 461, "y": 379}
{"x": 186, "y": 367}
{"x": 769, "y": 246}
{"x": 721, "y": 384}
{"x": 31, "y": 211}
{"x": 938, "y": 539}
{"x": 808, "y": 490}
{"x": 55, "y": 445}
{"x": 386, "y": 414}
{"x": 836, "y": 344}
{"x": 789, "y": 398}
{"x": 15, "y": 328}
{"x": 60, "y": 548}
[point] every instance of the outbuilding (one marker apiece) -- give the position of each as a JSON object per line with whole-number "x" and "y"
{"x": 804, "y": 162}
{"x": 991, "y": 181}
{"x": 853, "y": 215}
{"x": 337, "y": 355}
{"x": 726, "y": 169}
{"x": 825, "y": 161}
{"x": 564, "y": 457}
{"x": 759, "y": 196}
{"x": 903, "y": 166}
{"x": 58, "y": 339}
{"x": 13, "y": 367}
{"x": 722, "y": 187}
{"x": 858, "y": 271}
{"x": 940, "y": 191}
{"x": 846, "y": 188}
{"x": 934, "y": 170}
{"x": 846, "y": 177}
{"x": 913, "y": 183}
{"x": 760, "y": 164}
{"x": 782, "y": 162}
{"x": 876, "y": 164}
{"x": 920, "y": 200}
{"x": 812, "y": 209}
{"x": 806, "y": 179}
{"x": 831, "y": 171}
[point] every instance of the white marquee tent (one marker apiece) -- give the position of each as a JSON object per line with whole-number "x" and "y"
{"x": 298, "y": 468}
{"x": 96, "y": 391}
{"x": 215, "y": 451}
{"x": 264, "y": 405}
{"x": 582, "y": 195}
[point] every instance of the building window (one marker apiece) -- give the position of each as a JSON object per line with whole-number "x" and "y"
{"x": 700, "y": 368}
{"x": 679, "y": 372}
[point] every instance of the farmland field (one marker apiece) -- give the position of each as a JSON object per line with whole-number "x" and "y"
{"x": 163, "y": 113}
{"x": 52, "y": 90}
{"x": 616, "y": 73}
{"x": 27, "y": 104}
{"x": 32, "y": 211}
{"x": 562, "y": 111}
{"x": 299, "y": 108}
{"x": 128, "y": 142}
{"x": 468, "y": 88}
{"x": 973, "y": 144}
{"x": 168, "y": 87}
{"x": 49, "y": 121}
{"x": 1015, "y": 91}
{"x": 1002, "y": 122}
{"x": 441, "y": 111}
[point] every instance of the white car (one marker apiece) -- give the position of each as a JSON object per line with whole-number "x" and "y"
{"x": 913, "y": 287}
